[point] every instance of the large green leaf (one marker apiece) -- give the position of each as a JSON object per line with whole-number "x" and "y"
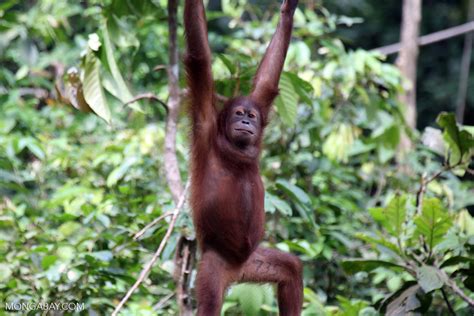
{"x": 433, "y": 223}
{"x": 93, "y": 92}
{"x": 118, "y": 86}
{"x": 287, "y": 101}
{"x": 393, "y": 216}
{"x": 251, "y": 297}
{"x": 429, "y": 278}
{"x": 457, "y": 260}
{"x": 379, "y": 242}
{"x": 339, "y": 142}
{"x": 354, "y": 266}
{"x": 295, "y": 192}
{"x": 460, "y": 142}
{"x": 302, "y": 87}
{"x": 228, "y": 63}
{"x": 302, "y": 201}
{"x": 273, "y": 203}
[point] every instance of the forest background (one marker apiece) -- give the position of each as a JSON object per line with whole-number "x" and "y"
{"x": 94, "y": 155}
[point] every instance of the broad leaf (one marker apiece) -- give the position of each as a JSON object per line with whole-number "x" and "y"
{"x": 339, "y": 142}
{"x": 228, "y": 63}
{"x": 92, "y": 86}
{"x": 433, "y": 223}
{"x": 287, "y": 101}
{"x": 460, "y": 142}
{"x": 302, "y": 87}
{"x": 429, "y": 278}
{"x": 379, "y": 242}
{"x": 119, "y": 86}
{"x": 250, "y": 297}
{"x": 354, "y": 266}
{"x": 273, "y": 203}
{"x": 457, "y": 260}
{"x": 393, "y": 216}
{"x": 295, "y": 192}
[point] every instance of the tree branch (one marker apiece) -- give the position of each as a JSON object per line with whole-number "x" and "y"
{"x": 153, "y": 223}
{"x": 431, "y": 38}
{"x": 149, "y": 96}
{"x": 465, "y": 68}
{"x": 172, "y": 174}
{"x": 455, "y": 288}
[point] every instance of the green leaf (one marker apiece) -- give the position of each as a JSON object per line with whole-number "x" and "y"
{"x": 379, "y": 242}
{"x": 273, "y": 202}
{"x": 48, "y": 261}
{"x": 302, "y": 88}
{"x": 104, "y": 255}
{"x": 429, "y": 278}
{"x": 287, "y": 101}
{"x": 5, "y": 271}
{"x": 93, "y": 92}
{"x": 68, "y": 228}
{"x": 351, "y": 307}
{"x": 119, "y": 172}
{"x": 377, "y": 214}
{"x": 120, "y": 87}
{"x": 250, "y": 297}
{"x": 228, "y": 63}
{"x": 393, "y": 216}
{"x": 294, "y": 191}
{"x": 354, "y": 266}
{"x": 433, "y": 223}
{"x": 338, "y": 144}
{"x": 456, "y": 260}
{"x": 396, "y": 215}
{"x": 459, "y": 142}
{"x": 312, "y": 250}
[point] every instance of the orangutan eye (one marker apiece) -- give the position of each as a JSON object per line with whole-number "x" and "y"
{"x": 239, "y": 113}
{"x": 251, "y": 115}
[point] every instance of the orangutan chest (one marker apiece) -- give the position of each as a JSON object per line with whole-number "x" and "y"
{"x": 238, "y": 194}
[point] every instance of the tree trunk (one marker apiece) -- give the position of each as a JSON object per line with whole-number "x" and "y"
{"x": 465, "y": 68}
{"x": 173, "y": 176}
{"x": 407, "y": 62}
{"x": 186, "y": 249}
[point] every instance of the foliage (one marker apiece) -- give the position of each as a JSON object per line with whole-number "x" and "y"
{"x": 415, "y": 238}
{"x": 75, "y": 189}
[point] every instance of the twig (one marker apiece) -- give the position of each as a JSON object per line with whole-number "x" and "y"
{"x": 445, "y": 297}
{"x": 162, "y": 302}
{"x": 153, "y": 223}
{"x": 455, "y": 288}
{"x": 159, "y": 67}
{"x": 149, "y": 265}
{"x": 222, "y": 98}
{"x": 184, "y": 270}
{"x": 36, "y": 92}
{"x": 424, "y": 183}
{"x": 419, "y": 195}
{"x": 149, "y": 96}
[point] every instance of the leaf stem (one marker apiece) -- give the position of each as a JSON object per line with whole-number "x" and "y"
{"x": 445, "y": 297}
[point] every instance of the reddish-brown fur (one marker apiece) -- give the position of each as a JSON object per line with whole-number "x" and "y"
{"x": 227, "y": 193}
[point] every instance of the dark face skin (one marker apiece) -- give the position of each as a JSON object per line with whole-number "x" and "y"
{"x": 243, "y": 124}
